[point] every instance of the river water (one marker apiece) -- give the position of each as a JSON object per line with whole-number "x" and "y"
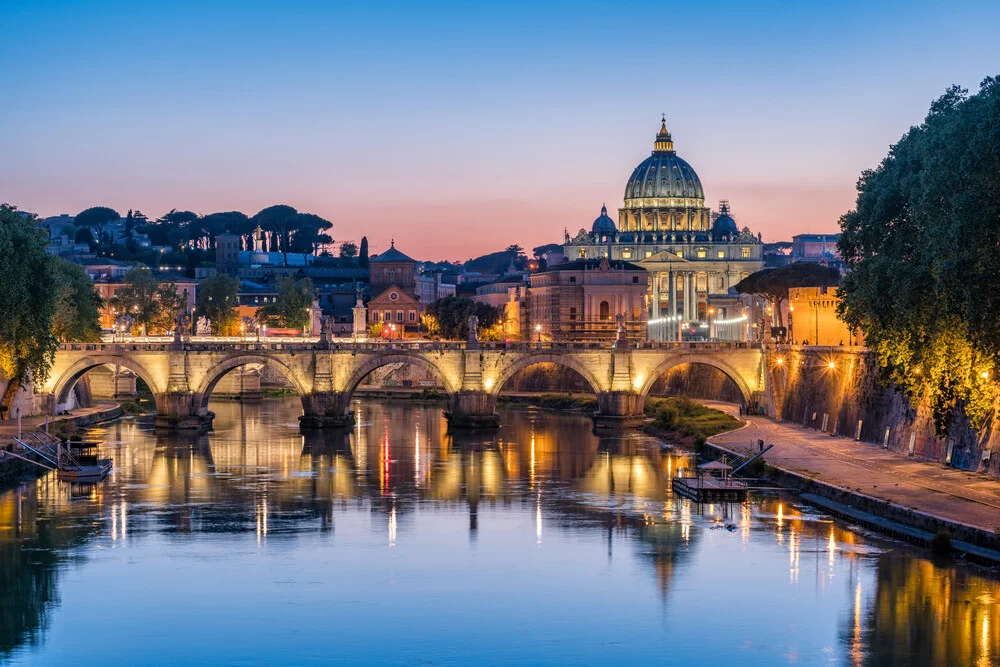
{"x": 399, "y": 543}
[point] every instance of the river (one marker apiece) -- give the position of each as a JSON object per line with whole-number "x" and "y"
{"x": 399, "y": 543}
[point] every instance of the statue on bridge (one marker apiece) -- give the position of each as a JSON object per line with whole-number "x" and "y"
{"x": 621, "y": 341}
{"x": 473, "y": 333}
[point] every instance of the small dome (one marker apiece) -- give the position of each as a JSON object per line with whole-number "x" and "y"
{"x": 604, "y": 224}
{"x": 724, "y": 225}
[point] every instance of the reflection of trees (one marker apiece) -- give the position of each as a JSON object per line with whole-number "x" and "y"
{"x": 923, "y": 614}
{"x": 29, "y": 560}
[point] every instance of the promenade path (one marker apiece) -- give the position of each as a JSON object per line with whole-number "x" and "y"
{"x": 957, "y": 495}
{"x": 8, "y": 428}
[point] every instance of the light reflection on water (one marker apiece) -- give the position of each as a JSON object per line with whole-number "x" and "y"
{"x": 397, "y": 542}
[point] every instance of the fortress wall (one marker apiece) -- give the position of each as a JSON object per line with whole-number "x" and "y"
{"x": 806, "y": 387}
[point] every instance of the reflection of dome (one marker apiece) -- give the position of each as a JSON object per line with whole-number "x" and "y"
{"x": 663, "y": 175}
{"x": 724, "y": 225}
{"x": 604, "y": 224}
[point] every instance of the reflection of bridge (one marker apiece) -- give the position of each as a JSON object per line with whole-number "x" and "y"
{"x": 182, "y": 375}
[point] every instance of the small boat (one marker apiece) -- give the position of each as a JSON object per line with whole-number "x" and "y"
{"x": 79, "y": 463}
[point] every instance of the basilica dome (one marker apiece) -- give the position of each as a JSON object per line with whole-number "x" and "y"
{"x": 663, "y": 175}
{"x": 604, "y": 224}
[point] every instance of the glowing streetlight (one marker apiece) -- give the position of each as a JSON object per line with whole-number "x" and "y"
{"x": 780, "y": 361}
{"x": 831, "y": 365}
{"x": 538, "y": 330}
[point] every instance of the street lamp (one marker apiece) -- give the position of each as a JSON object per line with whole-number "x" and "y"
{"x": 538, "y": 331}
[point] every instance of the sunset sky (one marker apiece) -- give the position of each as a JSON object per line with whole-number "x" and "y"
{"x": 456, "y": 128}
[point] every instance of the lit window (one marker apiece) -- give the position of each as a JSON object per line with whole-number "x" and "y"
{"x": 626, "y": 253}
{"x": 745, "y": 253}
{"x": 722, "y": 254}
{"x": 680, "y": 253}
{"x": 649, "y": 253}
{"x": 702, "y": 254}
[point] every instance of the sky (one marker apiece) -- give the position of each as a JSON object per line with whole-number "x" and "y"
{"x": 460, "y": 128}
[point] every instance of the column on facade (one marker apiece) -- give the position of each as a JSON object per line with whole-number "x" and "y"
{"x": 688, "y": 295}
{"x": 672, "y": 306}
{"x": 656, "y": 295}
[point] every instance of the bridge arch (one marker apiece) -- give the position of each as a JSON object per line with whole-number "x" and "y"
{"x": 566, "y": 361}
{"x": 373, "y": 363}
{"x": 708, "y": 360}
{"x": 65, "y": 383}
{"x": 217, "y": 372}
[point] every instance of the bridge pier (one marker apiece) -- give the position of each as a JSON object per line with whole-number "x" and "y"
{"x": 618, "y": 410}
{"x": 472, "y": 409}
{"x": 325, "y": 409}
{"x": 177, "y": 412}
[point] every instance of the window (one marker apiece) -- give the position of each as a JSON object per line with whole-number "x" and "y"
{"x": 635, "y": 279}
{"x": 572, "y": 279}
{"x": 702, "y": 253}
{"x": 572, "y": 313}
{"x": 649, "y": 253}
{"x": 680, "y": 252}
{"x": 702, "y": 283}
{"x": 721, "y": 254}
{"x": 583, "y": 253}
{"x": 387, "y": 317}
{"x": 605, "y": 311}
{"x": 626, "y": 253}
{"x": 399, "y": 316}
{"x": 745, "y": 253}
{"x": 413, "y": 316}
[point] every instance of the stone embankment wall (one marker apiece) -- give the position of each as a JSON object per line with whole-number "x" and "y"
{"x": 835, "y": 389}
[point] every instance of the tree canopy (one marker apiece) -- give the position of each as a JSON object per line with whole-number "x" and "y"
{"x": 78, "y": 306}
{"x": 774, "y": 283}
{"x": 96, "y": 218}
{"x": 923, "y": 246}
{"x": 217, "y": 301}
{"x": 153, "y": 305}
{"x": 291, "y": 307}
{"x": 448, "y": 318}
{"x": 28, "y": 300}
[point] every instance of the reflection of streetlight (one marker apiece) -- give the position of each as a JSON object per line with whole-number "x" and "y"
{"x": 538, "y": 330}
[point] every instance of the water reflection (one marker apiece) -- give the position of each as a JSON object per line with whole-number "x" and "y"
{"x": 550, "y": 505}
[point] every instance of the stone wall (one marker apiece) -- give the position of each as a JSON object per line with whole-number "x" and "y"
{"x": 697, "y": 381}
{"x": 838, "y": 387}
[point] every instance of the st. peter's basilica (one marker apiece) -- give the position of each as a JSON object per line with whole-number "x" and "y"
{"x": 693, "y": 255}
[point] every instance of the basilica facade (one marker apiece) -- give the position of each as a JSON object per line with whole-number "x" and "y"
{"x": 693, "y": 256}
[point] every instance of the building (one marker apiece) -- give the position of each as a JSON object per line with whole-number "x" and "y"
{"x": 392, "y": 280}
{"x": 821, "y": 248}
{"x": 511, "y": 295}
{"x": 431, "y": 288}
{"x": 581, "y": 299}
{"x": 811, "y": 318}
{"x": 256, "y": 263}
{"x": 694, "y": 257}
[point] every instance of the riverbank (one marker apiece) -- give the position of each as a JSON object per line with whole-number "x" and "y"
{"x": 12, "y": 469}
{"x": 867, "y": 481}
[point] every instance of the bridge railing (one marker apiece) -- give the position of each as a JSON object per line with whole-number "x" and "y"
{"x": 208, "y": 344}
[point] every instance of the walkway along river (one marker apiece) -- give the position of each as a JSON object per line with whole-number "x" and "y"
{"x": 397, "y": 542}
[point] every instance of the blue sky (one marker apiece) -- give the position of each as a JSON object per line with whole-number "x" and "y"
{"x": 457, "y": 129}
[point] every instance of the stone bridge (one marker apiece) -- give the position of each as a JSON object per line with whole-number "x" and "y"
{"x": 182, "y": 374}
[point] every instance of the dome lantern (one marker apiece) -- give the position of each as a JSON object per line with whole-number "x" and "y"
{"x": 664, "y": 142}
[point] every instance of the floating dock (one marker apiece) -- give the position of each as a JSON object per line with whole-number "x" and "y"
{"x": 704, "y": 488}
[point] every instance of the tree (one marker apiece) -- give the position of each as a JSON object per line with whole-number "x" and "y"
{"x": 774, "y": 283}
{"x": 96, "y": 218}
{"x": 77, "y": 315}
{"x": 27, "y": 303}
{"x": 217, "y": 301}
{"x": 83, "y": 235}
{"x": 154, "y": 306}
{"x": 348, "y": 250}
{"x": 923, "y": 246}
{"x": 363, "y": 253}
{"x": 290, "y": 309}
{"x": 449, "y": 317}
{"x": 229, "y": 222}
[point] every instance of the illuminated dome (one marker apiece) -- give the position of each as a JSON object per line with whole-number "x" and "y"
{"x": 663, "y": 175}
{"x": 604, "y": 224}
